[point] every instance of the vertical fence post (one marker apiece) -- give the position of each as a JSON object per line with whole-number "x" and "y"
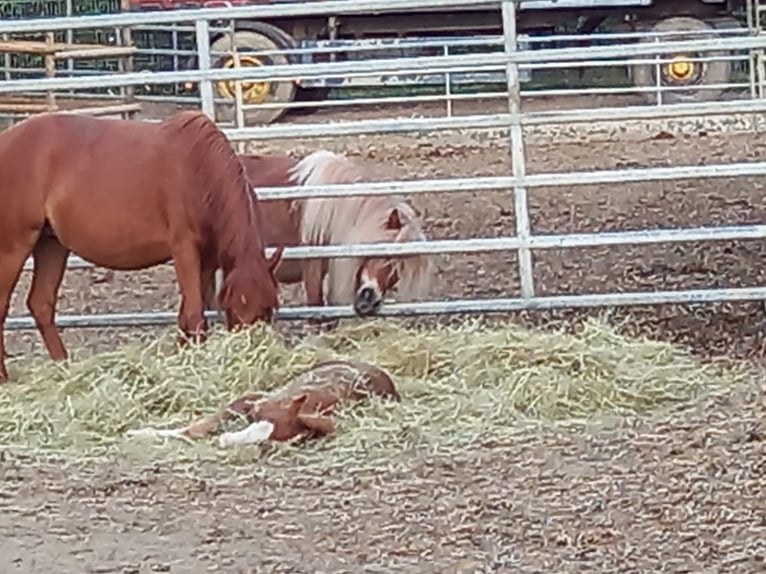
{"x": 518, "y": 160}
{"x": 752, "y": 31}
{"x": 239, "y": 113}
{"x": 202, "y": 31}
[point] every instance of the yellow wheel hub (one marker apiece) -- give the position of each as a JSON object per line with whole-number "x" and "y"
{"x": 252, "y": 92}
{"x": 680, "y": 69}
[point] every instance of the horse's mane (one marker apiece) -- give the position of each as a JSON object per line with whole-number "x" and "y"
{"x": 357, "y": 219}
{"x": 229, "y": 208}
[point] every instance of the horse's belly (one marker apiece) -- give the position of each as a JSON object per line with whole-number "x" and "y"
{"x": 127, "y": 259}
{"x": 289, "y": 271}
{"x": 124, "y": 255}
{"x": 114, "y": 246}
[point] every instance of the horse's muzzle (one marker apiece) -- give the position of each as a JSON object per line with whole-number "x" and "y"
{"x": 367, "y": 302}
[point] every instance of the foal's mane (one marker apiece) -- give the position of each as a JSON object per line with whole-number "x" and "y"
{"x": 228, "y": 206}
{"x": 357, "y": 219}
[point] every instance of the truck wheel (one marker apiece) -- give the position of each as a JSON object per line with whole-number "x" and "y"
{"x": 257, "y": 37}
{"x": 679, "y": 71}
{"x": 310, "y": 95}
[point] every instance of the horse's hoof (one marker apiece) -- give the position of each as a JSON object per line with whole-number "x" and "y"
{"x": 191, "y": 339}
{"x": 227, "y": 439}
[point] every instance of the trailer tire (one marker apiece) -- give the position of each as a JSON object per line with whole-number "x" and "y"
{"x": 253, "y": 37}
{"x": 681, "y": 72}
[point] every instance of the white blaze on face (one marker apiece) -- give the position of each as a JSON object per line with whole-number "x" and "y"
{"x": 365, "y": 281}
{"x": 255, "y": 433}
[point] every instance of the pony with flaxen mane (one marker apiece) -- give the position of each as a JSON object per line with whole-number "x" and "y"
{"x": 128, "y": 195}
{"x": 362, "y": 282}
{"x": 302, "y": 408}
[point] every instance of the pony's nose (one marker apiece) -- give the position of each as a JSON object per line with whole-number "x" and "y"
{"x": 366, "y": 295}
{"x": 367, "y": 301}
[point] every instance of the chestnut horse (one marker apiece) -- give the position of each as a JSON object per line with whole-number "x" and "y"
{"x": 128, "y": 195}
{"x": 359, "y": 281}
{"x": 302, "y": 408}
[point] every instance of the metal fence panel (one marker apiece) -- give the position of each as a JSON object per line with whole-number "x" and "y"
{"x": 509, "y": 62}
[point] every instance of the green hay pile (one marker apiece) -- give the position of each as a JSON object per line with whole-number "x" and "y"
{"x": 460, "y": 385}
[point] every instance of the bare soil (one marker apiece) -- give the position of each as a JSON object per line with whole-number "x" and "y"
{"x": 683, "y": 493}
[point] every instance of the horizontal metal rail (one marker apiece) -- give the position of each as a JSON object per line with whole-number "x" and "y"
{"x": 495, "y": 183}
{"x": 465, "y": 306}
{"x": 491, "y": 244}
{"x": 424, "y": 64}
{"x": 494, "y": 121}
{"x": 253, "y": 12}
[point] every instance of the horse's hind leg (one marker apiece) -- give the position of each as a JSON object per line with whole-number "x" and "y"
{"x": 12, "y": 260}
{"x": 50, "y": 258}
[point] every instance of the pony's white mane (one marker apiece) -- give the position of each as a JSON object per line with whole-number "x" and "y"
{"x": 358, "y": 219}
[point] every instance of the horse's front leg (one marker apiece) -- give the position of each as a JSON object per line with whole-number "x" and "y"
{"x": 191, "y": 315}
{"x": 313, "y": 278}
{"x": 209, "y": 288}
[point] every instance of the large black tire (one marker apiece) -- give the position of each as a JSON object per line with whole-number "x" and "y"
{"x": 310, "y": 95}
{"x": 700, "y": 74}
{"x": 256, "y": 37}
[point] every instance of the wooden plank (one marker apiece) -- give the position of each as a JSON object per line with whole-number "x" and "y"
{"x": 27, "y": 108}
{"x": 35, "y": 47}
{"x": 103, "y": 52}
{"x": 107, "y": 109}
{"x": 50, "y": 71}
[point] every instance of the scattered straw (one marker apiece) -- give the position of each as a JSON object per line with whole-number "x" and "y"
{"x": 460, "y": 385}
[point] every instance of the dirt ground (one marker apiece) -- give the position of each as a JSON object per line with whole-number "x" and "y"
{"x": 683, "y": 493}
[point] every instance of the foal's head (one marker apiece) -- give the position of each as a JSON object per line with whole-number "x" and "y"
{"x": 246, "y": 298}
{"x": 282, "y": 420}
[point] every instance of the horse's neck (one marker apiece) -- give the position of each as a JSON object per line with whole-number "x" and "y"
{"x": 236, "y": 231}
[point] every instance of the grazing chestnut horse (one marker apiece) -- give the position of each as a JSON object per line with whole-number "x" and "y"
{"x": 129, "y": 195}
{"x": 359, "y": 281}
{"x": 302, "y": 408}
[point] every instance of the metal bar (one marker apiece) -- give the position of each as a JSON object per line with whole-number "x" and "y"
{"x": 491, "y": 244}
{"x": 518, "y": 159}
{"x": 494, "y": 121}
{"x": 465, "y": 306}
{"x": 499, "y": 183}
{"x": 252, "y": 12}
{"x": 425, "y": 64}
{"x": 202, "y": 34}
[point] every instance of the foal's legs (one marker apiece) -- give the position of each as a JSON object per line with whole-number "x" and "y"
{"x": 50, "y": 258}
{"x": 12, "y": 258}
{"x": 191, "y": 315}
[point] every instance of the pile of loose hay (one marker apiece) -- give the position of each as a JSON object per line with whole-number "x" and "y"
{"x": 460, "y": 385}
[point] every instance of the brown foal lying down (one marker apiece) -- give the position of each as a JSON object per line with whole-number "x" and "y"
{"x": 304, "y": 407}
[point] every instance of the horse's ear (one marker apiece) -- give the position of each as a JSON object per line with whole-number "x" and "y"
{"x": 276, "y": 258}
{"x": 320, "y": 424}
{"x": 296, "y": 405}
{"x": 394, "y": 221}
